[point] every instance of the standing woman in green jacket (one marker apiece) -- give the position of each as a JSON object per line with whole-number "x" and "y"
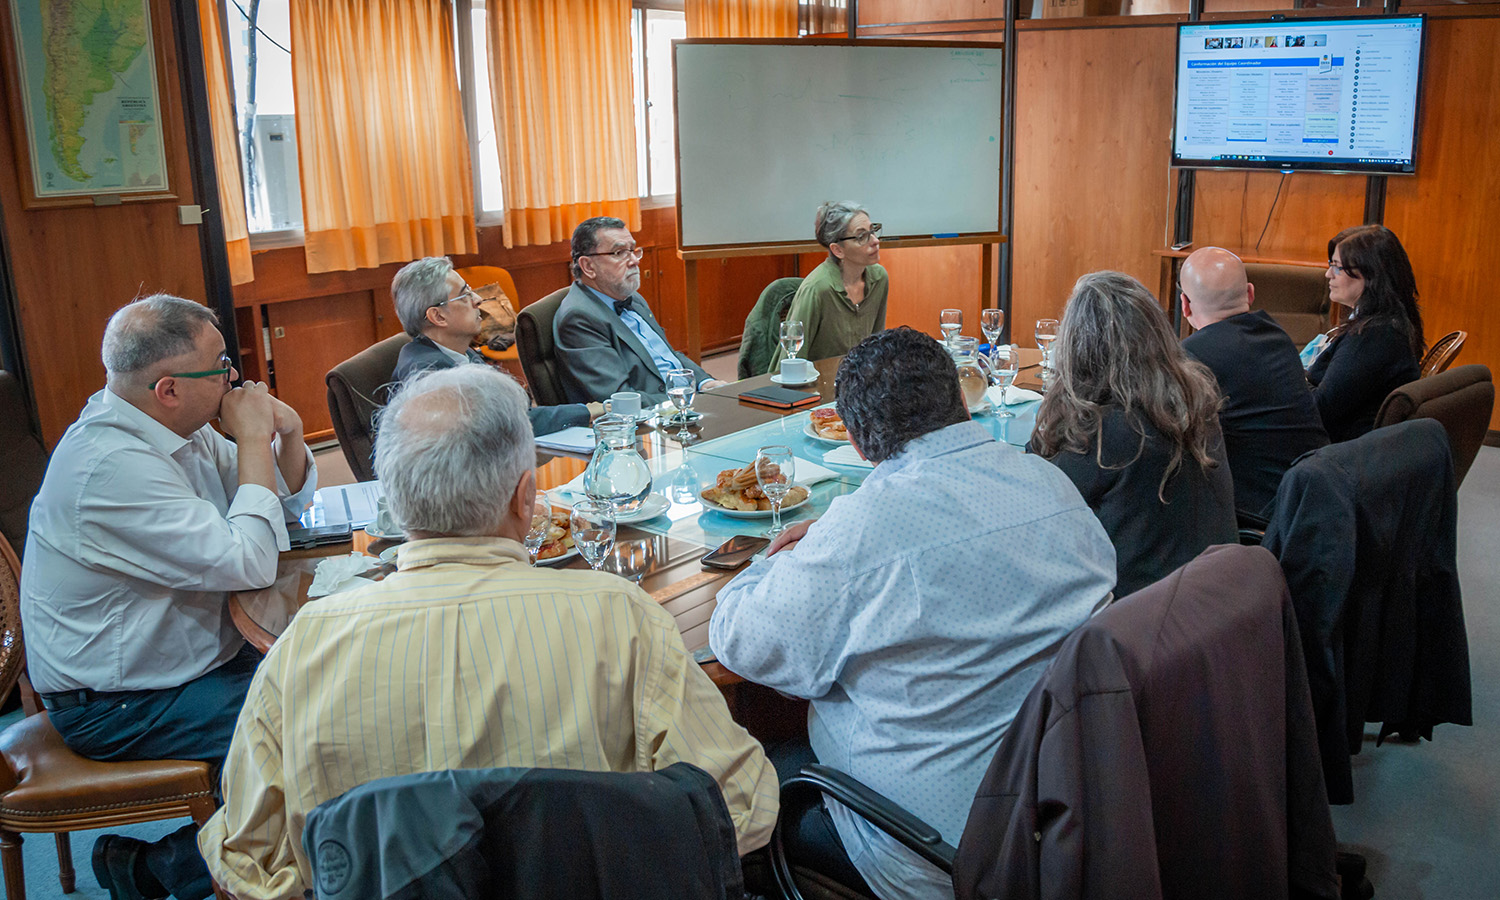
{"x": 842, "y": 301}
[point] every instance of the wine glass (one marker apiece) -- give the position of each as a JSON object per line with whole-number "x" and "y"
{"x": 593, "y": 523}
{"x": 792, "y": 332}
{"x": 951, "y": 321}
{"x": 774, "y": 470}
{"x": 682, "y": 387}
{"x": 631, "y": 560}
{"x": 1046, "y": 333}
{"x": 1005, "y": 363}
{"x": 541, "y": 524}
{"x": 992, "y": 322}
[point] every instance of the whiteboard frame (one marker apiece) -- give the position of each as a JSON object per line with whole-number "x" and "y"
{"x": 763, "y": 248}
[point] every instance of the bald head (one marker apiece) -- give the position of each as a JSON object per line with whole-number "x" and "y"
{"x": 1214, "y": 286}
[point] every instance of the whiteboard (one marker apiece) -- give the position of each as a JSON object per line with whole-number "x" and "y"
{"x": 768, "y": 131}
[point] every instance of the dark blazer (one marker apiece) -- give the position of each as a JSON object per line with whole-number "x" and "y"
{"x": 598, "y": 355}
{"x": 1355, "y": 372}
{"x": 1269, "y": 416}
{"x": 1168, "y": 752}
{"x": 422, "y": 354}
{"x": 513, "y": 832}
{"x": 1367, "y": 533}
{"x": 1152, "y": 538}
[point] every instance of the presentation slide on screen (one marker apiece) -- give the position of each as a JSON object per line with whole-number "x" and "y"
{"x": 1315, "y": 90}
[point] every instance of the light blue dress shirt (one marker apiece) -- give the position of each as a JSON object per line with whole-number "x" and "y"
{"x": 917, "y": 614}
{"x": 661, "y": 352}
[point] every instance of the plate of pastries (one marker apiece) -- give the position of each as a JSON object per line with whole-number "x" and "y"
{"x": 737, "y": 493}
{"x": 559, "y": 546}
{"x": 825, "y": 425}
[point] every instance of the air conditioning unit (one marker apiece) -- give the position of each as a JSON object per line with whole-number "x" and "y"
{"x": 276, "y": 164}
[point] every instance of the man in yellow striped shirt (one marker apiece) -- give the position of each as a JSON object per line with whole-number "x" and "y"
{"x": 466, "y": 657}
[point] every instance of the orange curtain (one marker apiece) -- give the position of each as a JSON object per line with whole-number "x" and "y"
{"x": 564, "y": 115}
{"x": 226, "y": 145}
{"x": 741, "y": 18}
{"x": 381, "y": 141}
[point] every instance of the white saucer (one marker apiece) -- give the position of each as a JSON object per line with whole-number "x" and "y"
{"x": 982, "y": 407}
{"x": 654, "y": 505}
{"x": 788, "y": 383}
{"x": 379, "y": 535}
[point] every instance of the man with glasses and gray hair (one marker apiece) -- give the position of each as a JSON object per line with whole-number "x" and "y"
{"x": 145, "y": 521}
{"x": 466, "y": 657}
{"x": 441, "y": 313}
{"x": 605, "y": 336}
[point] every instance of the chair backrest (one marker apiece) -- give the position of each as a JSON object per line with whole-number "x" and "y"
{"x": 513, "y": 832}
{"x": 479, "y": 276}
{"x": 1461, "y": 399}
{"x": 538, "y": 352}
{"x": 23, "y": 460}
{"x": 1295, "y": 296}
{"x": 1443, "y": 352}
{"x": 762, "y": 335}
{"x": 357, "y": 387}
{"x": 12, "y": 645}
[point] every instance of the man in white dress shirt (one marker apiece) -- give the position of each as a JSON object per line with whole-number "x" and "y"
{"x": 147, "y": 518}
{"x": 917, "y": 613}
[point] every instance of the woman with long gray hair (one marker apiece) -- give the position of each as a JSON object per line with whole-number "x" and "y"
{"x": 1133, "y": 421}
{"x": 842, "y": 301}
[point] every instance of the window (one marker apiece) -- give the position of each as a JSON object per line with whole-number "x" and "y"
{"x": 655, "y": 136}
{"x": 262, "y": 63}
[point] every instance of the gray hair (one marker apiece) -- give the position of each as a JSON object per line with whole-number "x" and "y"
{"x": 586, "y": 239}
{"x": 832, "y": 218}
{"x": 454, "y": 443}
{"x": 148, "y": 330}
{"x": 418, "y": 287}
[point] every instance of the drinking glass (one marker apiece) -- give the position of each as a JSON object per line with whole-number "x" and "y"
{"x": 1046, "y": 333}
{"x": 1005, "y": 363}
{"x": 593, "y": 523}
{"x": 951, "y": 321}
{"x": 992, "y": 322}
{"x": 791, "y": 337}
{"x": 682, "y": 387}
{"x": 631, "y": 560}
{"x": 541, "y": 523}
{"x": 774, "y": 470}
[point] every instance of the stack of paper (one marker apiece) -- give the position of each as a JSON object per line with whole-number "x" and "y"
{"x": 578, "y": 439}
{"x": 352, "y": 503}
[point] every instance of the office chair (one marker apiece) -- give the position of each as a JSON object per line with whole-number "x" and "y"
{"x": 45, "y": 787}
{"x": 1460, "y": 399}
{"x": 23, "y": 459}
{"x": 478, "y": 277}
{"x": 1442, "y": 353}
{"x": 1142, "y": 768}
{"x": 357, "y": 387}
{"x": 762, "y": 333}
{"x": 538, "y": 352}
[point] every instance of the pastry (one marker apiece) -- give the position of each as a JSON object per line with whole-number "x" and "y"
{"x": 827, "y": 424}
{"x": 738, "y": 489}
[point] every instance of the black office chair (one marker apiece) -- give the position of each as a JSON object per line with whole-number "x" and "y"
{"x": 538, "y": 353}
{"x": 357, "y": 387}
{"x": 1113, "y": 774}
{"x": 515, "y": 832}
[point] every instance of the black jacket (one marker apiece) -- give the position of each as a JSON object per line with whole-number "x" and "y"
{"x": 1354, "y": 374}
{"x": 1269, "y": 415}
{"x": 422, "y": 354}
{"x": 512, "y": 832}
{"x": 1168, "y": 752}
{"x": 1366, "y": 532}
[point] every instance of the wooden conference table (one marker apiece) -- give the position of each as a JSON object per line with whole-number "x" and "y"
{"x": 671, "y": 544}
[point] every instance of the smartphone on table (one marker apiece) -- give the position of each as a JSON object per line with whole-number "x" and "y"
{"x": 736, "y": 551}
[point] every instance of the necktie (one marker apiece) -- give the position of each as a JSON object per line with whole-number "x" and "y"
{"x": 623, "y": 306}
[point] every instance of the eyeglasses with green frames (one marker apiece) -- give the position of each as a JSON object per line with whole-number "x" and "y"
{"x": 223, "y": 372}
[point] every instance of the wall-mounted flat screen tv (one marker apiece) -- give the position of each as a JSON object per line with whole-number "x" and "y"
{"x": 1322, "y": 94}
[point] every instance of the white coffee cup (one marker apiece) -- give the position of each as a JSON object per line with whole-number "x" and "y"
{"x": 623, "y": 403}
{"x": 796, "y": 369}
{"x": 385, "y": 520}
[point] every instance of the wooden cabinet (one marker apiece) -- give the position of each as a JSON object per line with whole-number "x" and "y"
{"x": 309, "y": 337}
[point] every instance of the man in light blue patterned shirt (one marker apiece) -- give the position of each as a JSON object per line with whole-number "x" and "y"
{"x": 918, "y": 612}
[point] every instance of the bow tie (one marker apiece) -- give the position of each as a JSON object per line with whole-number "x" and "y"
{"x": 623, "y": 306}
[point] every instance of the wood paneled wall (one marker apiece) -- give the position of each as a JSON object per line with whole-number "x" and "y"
{"x": 74, "y": 266}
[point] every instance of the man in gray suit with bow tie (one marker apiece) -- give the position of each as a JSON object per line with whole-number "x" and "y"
{"x": 606, "y": 338}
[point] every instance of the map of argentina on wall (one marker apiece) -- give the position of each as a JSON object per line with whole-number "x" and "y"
{"x": 86, "y": 73}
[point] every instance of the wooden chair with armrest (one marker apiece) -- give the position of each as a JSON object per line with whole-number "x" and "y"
{"x": 1442, "y": 353}
{"x": 357, "y": 387}
{"x": 45, "y": 787}
{"x": 537, "y": 350}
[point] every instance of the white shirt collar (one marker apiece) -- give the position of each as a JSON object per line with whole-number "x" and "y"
{"x": 148, "y": 429}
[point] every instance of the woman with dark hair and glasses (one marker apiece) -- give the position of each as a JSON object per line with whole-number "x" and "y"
{"x": 842, "y": 301}
{"x": 1378, "y": 347}
{"x": 1133, "y": 421}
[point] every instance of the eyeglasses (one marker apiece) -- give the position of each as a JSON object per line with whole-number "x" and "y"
{"x": 1345, "y": 270}
{"x": 468, "y": 294}
{"x": 864, "y": 236}
{"x": 224, "y": 361}
{"x": 620, "y": 254}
